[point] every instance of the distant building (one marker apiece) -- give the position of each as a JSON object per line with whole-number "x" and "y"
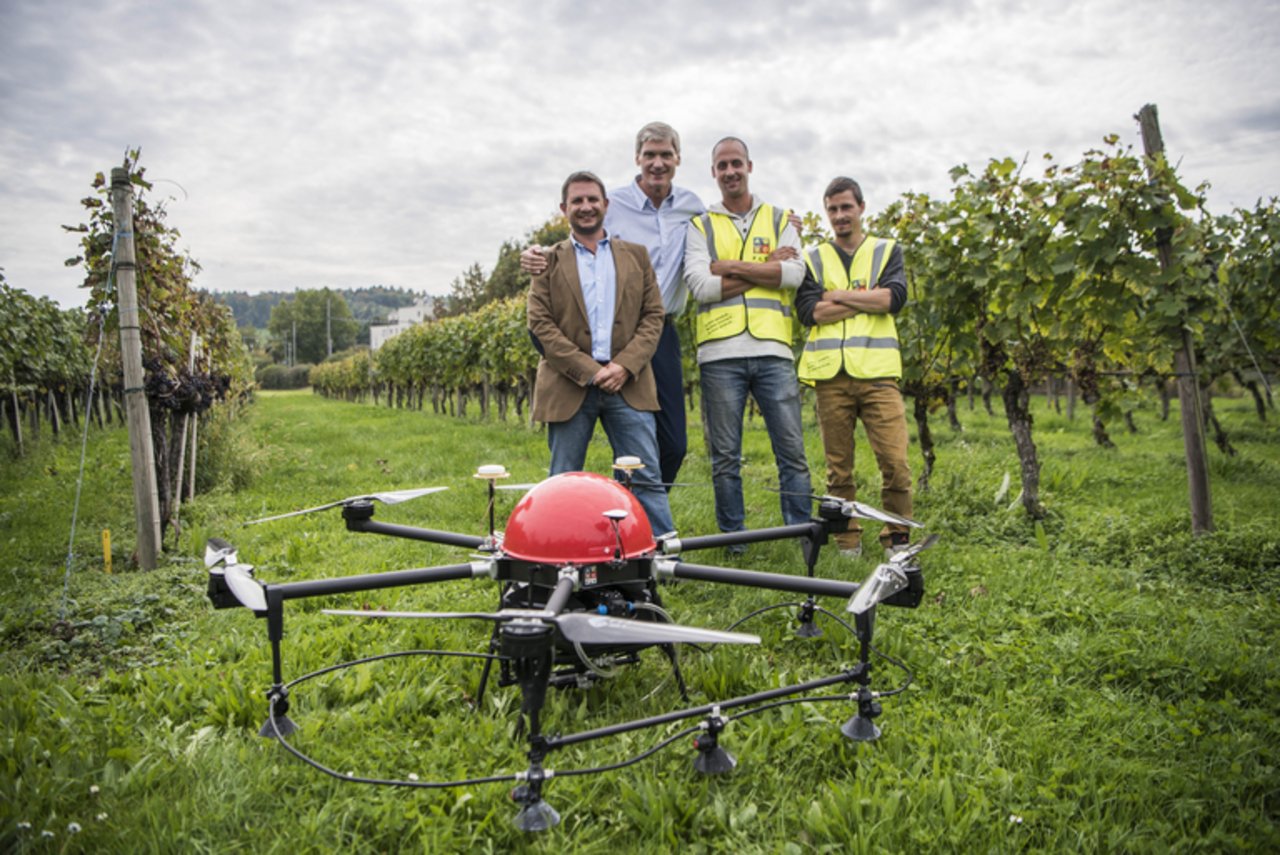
{"x": 401, "y": 320}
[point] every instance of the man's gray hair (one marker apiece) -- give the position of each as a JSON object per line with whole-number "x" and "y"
{"x": 657, "y": 132}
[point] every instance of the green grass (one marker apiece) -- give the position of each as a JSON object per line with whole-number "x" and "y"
{"x": 1100, "y": 682}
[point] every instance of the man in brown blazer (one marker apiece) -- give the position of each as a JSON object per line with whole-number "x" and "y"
{"x": 597, "y": 314}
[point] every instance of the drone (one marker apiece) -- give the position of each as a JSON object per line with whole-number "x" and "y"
{"x": 579, "y": 572}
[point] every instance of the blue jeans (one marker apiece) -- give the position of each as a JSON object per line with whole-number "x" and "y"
{"x": 772, "y": 382}
{"x": 630, "y": 431}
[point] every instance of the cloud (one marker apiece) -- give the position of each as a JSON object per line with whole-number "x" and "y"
{"x": 397, "y": 142}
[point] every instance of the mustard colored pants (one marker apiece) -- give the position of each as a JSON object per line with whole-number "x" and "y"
{"x": 842, "y": 402}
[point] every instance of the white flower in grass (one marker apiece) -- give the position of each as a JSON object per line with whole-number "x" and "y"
{"x": 413, "y": 776}
{"x": 73, "y": 828}
{"x": 24, "y": 826}
{"x": 93, "y": 790}
{"x": 47, "y": 834}
{"x": 102, "y": 817}
{"x": 1015, "y": 819}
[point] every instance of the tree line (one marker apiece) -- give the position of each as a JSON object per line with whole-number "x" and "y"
{"x": 368, "y": 305}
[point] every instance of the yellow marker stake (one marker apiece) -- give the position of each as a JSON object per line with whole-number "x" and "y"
{"x": 106, "y": 550}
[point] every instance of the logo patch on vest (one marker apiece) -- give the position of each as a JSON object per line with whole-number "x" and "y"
{"x": 760, "y": 246}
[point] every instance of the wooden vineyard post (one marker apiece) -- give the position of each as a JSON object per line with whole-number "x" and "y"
{"x": 15, "y": 417}
{"x": 1184, "y": 361}
{"x": 182, "y": 451}
{"x": 146, "y": 502}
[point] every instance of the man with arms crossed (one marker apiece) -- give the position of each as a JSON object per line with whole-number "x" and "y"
{"x": 653, "y": 212}
{"x": 742, "y": 265}
{"x": 853, "y": 287}
{"x": 597, "y": 314}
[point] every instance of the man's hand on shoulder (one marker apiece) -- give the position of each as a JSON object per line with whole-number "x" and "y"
{"x": 534, "y": 260}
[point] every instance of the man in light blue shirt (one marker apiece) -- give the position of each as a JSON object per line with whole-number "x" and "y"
{"x": 599, "y": 279}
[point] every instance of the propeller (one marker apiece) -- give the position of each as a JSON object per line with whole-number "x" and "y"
{"x": 584, "y": 627}
{"x": 247, "y": 589}
{"x": 913, "y": 550}
{"x": 587, "y": 628}
{"x": 887, "y": 579}
{"x": 393, "y": 497}
{"x": 884, "y": 581}
{"x": 218, "y": 551}
{"x": 866, "y": 512}
{"x": 855, "y": 509}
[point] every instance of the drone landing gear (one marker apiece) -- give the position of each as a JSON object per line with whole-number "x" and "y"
{"x": 861, "y": 728}
{"x": 535, "y": 814}
{"x": 712, "y": 758}
{"x": 807, "y": 628}
{"x": 530, "y": 648}
{"x": 278, "y": 721}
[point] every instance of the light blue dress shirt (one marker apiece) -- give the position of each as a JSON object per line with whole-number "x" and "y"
{"x": 632, "y": 217}
{"x": 599, "y": 280}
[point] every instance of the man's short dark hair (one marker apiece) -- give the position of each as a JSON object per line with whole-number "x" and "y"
{"x": 840, "y": 185}
{"x": 745, "y": 151}
{"x": 576, "y": 177}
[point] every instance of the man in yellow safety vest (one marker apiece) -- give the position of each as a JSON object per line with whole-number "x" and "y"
{"x": 742, "y": 265}
{"x": 853, "y": 287}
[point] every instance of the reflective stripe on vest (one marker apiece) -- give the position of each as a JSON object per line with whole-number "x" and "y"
{"x": 763, "y": 312}
{"x": 866, "y": 345}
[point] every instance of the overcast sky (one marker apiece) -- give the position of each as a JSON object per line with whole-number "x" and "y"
{"x": 395, "y": 142}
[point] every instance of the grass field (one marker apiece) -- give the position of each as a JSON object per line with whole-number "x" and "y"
{"x": 1099, "y": 682}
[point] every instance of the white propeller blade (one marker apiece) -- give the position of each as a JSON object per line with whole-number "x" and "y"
{"x": 913, "y": 550}
{"x": 217, "y": 550}
{"x": 587, "y": 628}
{"x": 885, "y": 581}
{"x": 584, "y": 627}
{"x": 867, "y": 512}
{"x": 393, "y": 497}
{"x": 247, "y": 589}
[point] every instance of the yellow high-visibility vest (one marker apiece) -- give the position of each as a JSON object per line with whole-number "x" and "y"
{"x": 865, "y": 345}
{"x": 763, "y": 312}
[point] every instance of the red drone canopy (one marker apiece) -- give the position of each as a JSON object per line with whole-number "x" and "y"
{"x": 563, "y": 521}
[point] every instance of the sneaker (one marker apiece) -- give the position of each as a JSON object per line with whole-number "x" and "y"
{"x": 852, "y": 553}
